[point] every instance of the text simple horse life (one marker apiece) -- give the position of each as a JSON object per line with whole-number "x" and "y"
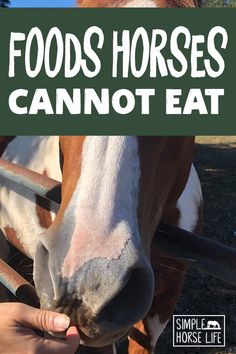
{"x": 94, "y": 259}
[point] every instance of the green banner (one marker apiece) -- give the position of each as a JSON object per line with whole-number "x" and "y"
{"x": 117, "y": 71}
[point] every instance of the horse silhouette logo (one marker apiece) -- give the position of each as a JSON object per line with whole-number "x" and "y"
{"x": 213, "y": 325}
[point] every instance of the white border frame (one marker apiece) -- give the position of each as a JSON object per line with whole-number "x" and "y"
{"x": 196, "y": 346}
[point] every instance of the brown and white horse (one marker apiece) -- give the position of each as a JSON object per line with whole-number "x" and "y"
{"x": 94, "y": 260}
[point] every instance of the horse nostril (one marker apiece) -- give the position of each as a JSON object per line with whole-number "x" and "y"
{"x": 44, "y": 251}
{"x": 43, "y": 277}
{"x": 132, "y": 302}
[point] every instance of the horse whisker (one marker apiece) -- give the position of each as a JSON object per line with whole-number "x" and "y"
{"x": 170, "y": 267}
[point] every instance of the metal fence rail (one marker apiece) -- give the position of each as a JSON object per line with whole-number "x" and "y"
{"x": 197, "y": 252}
{"x": 39, "y": 184}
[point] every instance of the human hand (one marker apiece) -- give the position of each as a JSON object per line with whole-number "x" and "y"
{"x": 17, "y": 324}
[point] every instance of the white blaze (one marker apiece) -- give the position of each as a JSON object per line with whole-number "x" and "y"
{"x": 104, "y": 203}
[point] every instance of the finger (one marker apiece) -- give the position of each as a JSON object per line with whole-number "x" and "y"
{"x": 43, "y": 320}
{"x": 46, "y": 346}
{"x": 72, "y": 337}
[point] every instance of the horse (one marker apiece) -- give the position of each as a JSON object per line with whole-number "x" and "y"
{"x": 93, "y": 259}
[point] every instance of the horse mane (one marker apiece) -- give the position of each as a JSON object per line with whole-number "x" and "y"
{"x": 186, "y": 3}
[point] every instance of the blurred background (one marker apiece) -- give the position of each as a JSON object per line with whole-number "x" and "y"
{"x": 219, "y": 3}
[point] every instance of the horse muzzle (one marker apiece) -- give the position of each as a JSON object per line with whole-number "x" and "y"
{"x": 104, "y": 298}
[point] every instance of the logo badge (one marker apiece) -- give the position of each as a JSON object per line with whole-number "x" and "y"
{"x": 199, "y": 331}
